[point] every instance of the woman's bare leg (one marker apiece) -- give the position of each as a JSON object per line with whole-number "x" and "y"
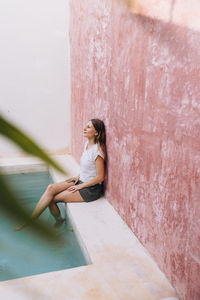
{"x": 65, "y": 196}
{"x": 46, "y": 199}
{"x": 55, "y": 211}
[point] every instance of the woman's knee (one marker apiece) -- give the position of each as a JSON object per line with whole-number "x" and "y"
{"x": 51, "y": 188}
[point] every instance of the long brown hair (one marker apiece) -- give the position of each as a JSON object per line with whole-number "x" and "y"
{"x": 101, "y": 137}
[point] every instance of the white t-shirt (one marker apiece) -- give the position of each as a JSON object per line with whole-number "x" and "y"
{"x": 87, "y": 164}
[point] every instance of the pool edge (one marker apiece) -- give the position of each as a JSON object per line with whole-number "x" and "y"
{"x": 119, "y": 261}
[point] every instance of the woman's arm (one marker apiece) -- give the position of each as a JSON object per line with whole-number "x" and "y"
{"x": 75, "y": 179}
{"x": 97, "y": 179}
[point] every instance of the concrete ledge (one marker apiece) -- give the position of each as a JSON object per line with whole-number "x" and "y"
{"x": 21, "y": 165}
{"x": 120, "y": 266}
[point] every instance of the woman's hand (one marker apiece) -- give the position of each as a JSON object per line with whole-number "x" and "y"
{"x": 73, "y": 179}
{"x": 75, "y": 188}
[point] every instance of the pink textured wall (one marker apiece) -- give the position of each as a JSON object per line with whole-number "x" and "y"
{"x": 141, "y": 75}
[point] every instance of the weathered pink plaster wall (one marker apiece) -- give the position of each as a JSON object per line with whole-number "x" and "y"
{"x": 142, "y": 77}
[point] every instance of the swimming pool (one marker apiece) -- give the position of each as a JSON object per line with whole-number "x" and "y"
{"x": 23, "y": 253}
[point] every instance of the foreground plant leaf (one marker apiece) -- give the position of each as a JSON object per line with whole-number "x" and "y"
{"x": 8, "y": 201}
{"x": 13, "y": 133}
{"x": 11, "y": 205}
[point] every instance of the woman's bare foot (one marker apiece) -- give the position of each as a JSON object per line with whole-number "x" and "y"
{"x": 19, "y": 227}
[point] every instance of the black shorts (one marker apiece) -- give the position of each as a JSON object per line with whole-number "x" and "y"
{"x": 91, "y": 193}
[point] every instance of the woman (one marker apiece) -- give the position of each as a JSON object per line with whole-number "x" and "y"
{"x": 88, "y": 185}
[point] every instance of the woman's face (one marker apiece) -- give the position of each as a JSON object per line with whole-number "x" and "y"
{"x": 89, "y": 131}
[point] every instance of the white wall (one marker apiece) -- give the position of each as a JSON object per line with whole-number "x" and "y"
{"x": 34, "y": 71}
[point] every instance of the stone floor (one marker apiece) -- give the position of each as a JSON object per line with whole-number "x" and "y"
{"x": 120, "y": 268}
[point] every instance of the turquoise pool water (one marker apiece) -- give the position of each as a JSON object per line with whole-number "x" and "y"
{"x": 23, "y": 253}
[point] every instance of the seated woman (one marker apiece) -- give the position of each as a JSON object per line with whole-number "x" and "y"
{"x": 88, "y": 185}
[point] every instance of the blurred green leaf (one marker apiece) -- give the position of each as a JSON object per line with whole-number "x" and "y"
{"x": 11, "y": 205}
{"x": 13, "y": 133}
{"x": 8, "y": 201}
